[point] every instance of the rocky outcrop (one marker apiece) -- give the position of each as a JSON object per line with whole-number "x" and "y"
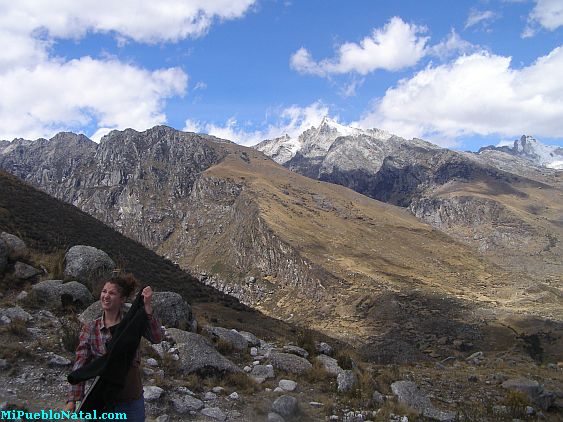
{"x": 88, "y": 265}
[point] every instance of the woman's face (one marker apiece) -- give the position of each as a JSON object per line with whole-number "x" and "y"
{"x": 111, "y": 298}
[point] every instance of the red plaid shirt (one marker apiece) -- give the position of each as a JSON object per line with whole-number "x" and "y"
{"x": 92, "y": 344}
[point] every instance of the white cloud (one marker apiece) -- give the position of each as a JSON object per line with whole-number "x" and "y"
{"x": 546, "y": 13}
{"x": 42, "y": 94}
{"x": 291, "y": 121}
{"x": 39, "y": 101}
{"x": 395, "y": 46}
{"x": 139, "y": 20}
{"x": 479, "y": 94}
{"x": 454, "y": 44}
{"x": 475, "y": 17}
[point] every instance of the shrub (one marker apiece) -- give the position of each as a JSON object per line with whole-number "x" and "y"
{"x": 516, "y": 402}
{"x": 70, "y": 333}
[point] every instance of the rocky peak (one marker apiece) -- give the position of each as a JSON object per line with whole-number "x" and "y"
{"x": 531, "y": 149}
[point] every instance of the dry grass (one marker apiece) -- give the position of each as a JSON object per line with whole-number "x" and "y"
{"x": 70, "y": 332}
{"x": 17, "y": 328}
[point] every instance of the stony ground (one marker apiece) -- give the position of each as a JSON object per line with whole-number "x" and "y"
{"x": 470, "y": 386}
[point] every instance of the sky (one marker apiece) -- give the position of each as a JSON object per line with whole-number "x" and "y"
{"x": 480, "y": 73}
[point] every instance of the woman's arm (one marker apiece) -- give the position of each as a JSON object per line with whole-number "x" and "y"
{"x": 83, "y": 355}
{"x": 154, "y": 332}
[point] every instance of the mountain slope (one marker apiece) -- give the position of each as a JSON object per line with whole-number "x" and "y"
{"x": 504, "y": 206}
{"x": 314, "y": 253}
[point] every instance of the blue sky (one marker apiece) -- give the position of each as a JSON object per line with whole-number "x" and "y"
{"x": 477, "y": 74}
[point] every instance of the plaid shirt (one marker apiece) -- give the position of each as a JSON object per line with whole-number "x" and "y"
{"x": 92, "y": 344}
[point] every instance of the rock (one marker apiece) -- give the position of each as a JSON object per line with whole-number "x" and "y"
{"x": 285, "y": 406}
{"x": 262, "y": 372}
{"x": 233, "y": 396}
{"x": 290, "y": 363}
{"x": 22, "y": 296}
{"x": 408, "y": 394}
{"x": 15, "y": 313}
{"x": 152, "y": 362}
{"x": 346, "y": 381}
{"x": 295, "y": 350}
{"x": 279, "y": 390}
{"x": 57, "y": 360}
{"x": 163, "y": 418}
{"x": 253, "y": 351}
{"x": 54, "y": 294}
{"x": 545, "y": 400}
{"x": 3, "y": 256}
{"x": 4, "y": 364}
{"x": 440, "y": 415}
{"x": 197, "y": 354}
{"x": 324, "y": 348}
{"x": 173, "y": 311}
{"x": 88, "y": 265}
{"x": 377, "y": 398}
{"x": 250, "y": 338}
{"x": 24, "y": 271}
{"x": 476, "y": 358}
{"x": 316, "y": 404}
{"x": 274, "y": 417}
{"x": 152, "y": 393}
{"x": 218, "y": 390}
{"x": 214, "y": 413}
{"x": 16, "y": 248}
{"x": 530, "y": 387}
{"x": 287, "y": 385}
{"x": 209, "y": 396}
{"x": 186, "y": 404}
{"x": 230, "y": 336}
{"x": 4, "y": 320}
{"x": 330, "y": 364}
{"x": 247, "y": 369}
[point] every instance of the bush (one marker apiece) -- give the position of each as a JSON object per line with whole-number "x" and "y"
{"x": 70, "y": 333}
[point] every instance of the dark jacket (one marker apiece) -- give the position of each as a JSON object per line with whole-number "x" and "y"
{"x": 112, "y": 367}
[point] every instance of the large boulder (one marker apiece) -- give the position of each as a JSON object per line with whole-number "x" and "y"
{"x": 290, "y": 363}
{"x": 3, "y": 256}
{"x": 15, "y": 313}
{"x": 197, "y": 355}
{"x": 330, "y": 365}
{"x": 173, "y": 311}
{"x": 88, "y": 265}
{"x": 231, "y": 337}
{"x": 16, "y": 247}
{"x": 346, "y": 381}
{"x": 409, "y": 395}
{"x": 251, "y": 339}
{"x": 285, "y": 406}
{"x": 56, "y": 294}
{"x": 23, "y": 271}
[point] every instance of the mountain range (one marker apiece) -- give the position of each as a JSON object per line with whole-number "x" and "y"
{"x": 417, "y": 240}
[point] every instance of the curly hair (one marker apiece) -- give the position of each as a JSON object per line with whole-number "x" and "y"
{"x": 126, "y": 283}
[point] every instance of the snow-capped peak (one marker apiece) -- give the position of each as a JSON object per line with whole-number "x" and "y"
{"x": 528, "y": 147}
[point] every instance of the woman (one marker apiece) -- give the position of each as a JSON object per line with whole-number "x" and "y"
{"x": 95, "y": 334}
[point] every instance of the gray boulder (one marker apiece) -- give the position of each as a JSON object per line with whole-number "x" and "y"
{"x": 230, "y": 336}
{"x": 290, "y": 363}
{"x": 3, "y": 256}
{"x": 186, "y": 404}
{"x": 23, "y": 271}
{"x": 285, "y": 406}
{"x": 88, "y": 265}
{"x": 54, "y": 293}
{"x": 287, "y": 385}
{"x": 173, "y": 311}
{"x": 409, "y": 395}
{"x": 330, "y": 364}
{"x": 197, "y": 354}
{"x": 296, "y": 350}
{"x": 15, "y": 313}
{"x": 262, "y": 372}
{"x": 530, "y": 387}
{"x": 91, "y": 312}
{"x": 16, "y": 247}
{"x": 152, "y": 392}
{"x": 324, "y": 348}
{"x": 274, "y": 417}
{"x": 214, "y": 413}
{"x": 346, "y": 381}
{"x": 251, "y": 339}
